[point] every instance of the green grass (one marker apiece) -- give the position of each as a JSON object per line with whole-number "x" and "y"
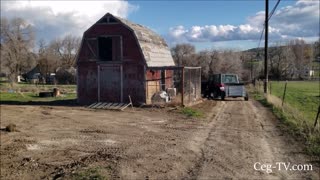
{"x": 89, "y": 174}
{"x": 29, "y": 96}
{"x": 291, "y": 124}
{"x": 25, "y": 92}
{"x": 190, "y": 112}
{"x": 26, "y": 87}
{"x": 316, "y": 65}
{"x": 302, "y": 95}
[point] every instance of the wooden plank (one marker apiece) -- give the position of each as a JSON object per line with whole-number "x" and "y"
{"x": 118, "y": 106}
{"x": 152, "y": 88}
{"x": 113, "y": 105}
{"x": 101, "y": 106}
{"x": 109, "y": 105}
{"x": 106, "y": 106}
{"x": 125, "y": 106}
{"x": 92, "y": 105}
{"x": 95, "y": 106}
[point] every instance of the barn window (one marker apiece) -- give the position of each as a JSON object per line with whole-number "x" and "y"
{"x": 109, "y": 48}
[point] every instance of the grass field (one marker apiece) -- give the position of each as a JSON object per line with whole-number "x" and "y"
{"x": 24, "y": 93}
{"x": 301, "y": 95}
{"x": 299, "y": 111}
{"x": 29, "y": 96}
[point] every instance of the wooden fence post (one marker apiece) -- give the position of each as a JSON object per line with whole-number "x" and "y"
{"x": 317, "y": 117}
{"x": 270, "y": 87}
{"x": 182, "y": 88}
{"x": 130, "y": 102}
{"x": 284, "y": 92}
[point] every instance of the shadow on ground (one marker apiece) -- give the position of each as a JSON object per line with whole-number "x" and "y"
{"x": 69, "y": 102}
{"x": 226, "y": 99}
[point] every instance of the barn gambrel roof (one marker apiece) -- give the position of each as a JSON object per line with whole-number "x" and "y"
{"x": 153, "y": 47}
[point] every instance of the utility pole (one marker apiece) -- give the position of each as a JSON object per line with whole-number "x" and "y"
{"x": 251, "y": 68}
{"x": 265, "y": 87}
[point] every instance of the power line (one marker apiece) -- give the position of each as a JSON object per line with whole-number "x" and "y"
{"x": 273, "y": 10}
{"x": 265, "y": 83}
{"x": 261, "y": 36}
{"x": 269, "y": 17}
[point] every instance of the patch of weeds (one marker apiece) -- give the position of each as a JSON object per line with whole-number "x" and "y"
{"x": 89, "y": 174}
{"x": 190, "y": 112}
{"x": 291, "y": 125}
{"x": 314, "y": 145}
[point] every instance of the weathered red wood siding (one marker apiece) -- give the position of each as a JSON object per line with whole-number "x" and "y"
{"x": 132, "y": 67}
{"x": 87, "y": 82}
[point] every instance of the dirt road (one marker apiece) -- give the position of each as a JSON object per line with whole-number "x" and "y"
{"x": 72, "y": 142}
{"x": 243, "y": 137}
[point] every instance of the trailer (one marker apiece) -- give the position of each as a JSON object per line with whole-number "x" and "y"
{"x": 224, "y": 85}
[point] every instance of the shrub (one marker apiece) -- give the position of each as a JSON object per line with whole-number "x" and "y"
{"x": 191, "y": 112}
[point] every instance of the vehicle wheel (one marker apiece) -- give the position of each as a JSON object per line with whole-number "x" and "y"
{"x": 246, "y": 98}
{"x": 215, "y": 94}
{"x": 223, "y": 95}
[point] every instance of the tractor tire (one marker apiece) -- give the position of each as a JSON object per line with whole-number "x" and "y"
{"x": 223, "y": 95}
{"x": 46, "y": 94}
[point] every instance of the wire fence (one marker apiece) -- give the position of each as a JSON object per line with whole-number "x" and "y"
{"x": 177, "y": 86}
{"x": 191, "y": 85}
{"x": 296, "y": 104}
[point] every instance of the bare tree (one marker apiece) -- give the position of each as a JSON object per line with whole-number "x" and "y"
{"x": 281, "y": 62}
{"x": 66, "y": 49}
{"x": 302, "y": 56}
{"x": 210, "y": 61}
{"x": 48, "y": 60}
{"x": 316, "y": 50}
{"x": 17, "y": 42}
{"x": 203, "y": 60}
{"x": 183, "y": 54}
{"x": 230, "y": 62}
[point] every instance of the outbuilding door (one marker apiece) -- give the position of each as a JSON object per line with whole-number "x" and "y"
{"x": 110, "y": 83}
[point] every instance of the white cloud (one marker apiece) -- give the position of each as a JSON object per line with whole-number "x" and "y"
{"x": 298, "y": 20}
{"x": 53, "y": 19}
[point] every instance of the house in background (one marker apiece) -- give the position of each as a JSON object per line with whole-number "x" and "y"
{"x": 33, "y": 76}
{"x": 118, "y": 59}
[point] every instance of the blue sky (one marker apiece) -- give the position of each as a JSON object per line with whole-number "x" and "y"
{"x": 189, "y": 13}
{"x": 217, "y": 24}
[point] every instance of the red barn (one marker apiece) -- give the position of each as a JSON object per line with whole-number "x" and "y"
{"x": 118, "y": 59}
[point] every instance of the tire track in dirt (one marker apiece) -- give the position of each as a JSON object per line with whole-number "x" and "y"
{"x": 197, "y": 144}
{"x": 147, "y": 144}
{"x": 241, "y": 134}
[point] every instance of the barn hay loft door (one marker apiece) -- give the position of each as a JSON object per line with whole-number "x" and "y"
{"x": 110, "y": 83}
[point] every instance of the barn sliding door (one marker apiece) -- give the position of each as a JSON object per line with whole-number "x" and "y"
{"x": 110, "y": 88}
